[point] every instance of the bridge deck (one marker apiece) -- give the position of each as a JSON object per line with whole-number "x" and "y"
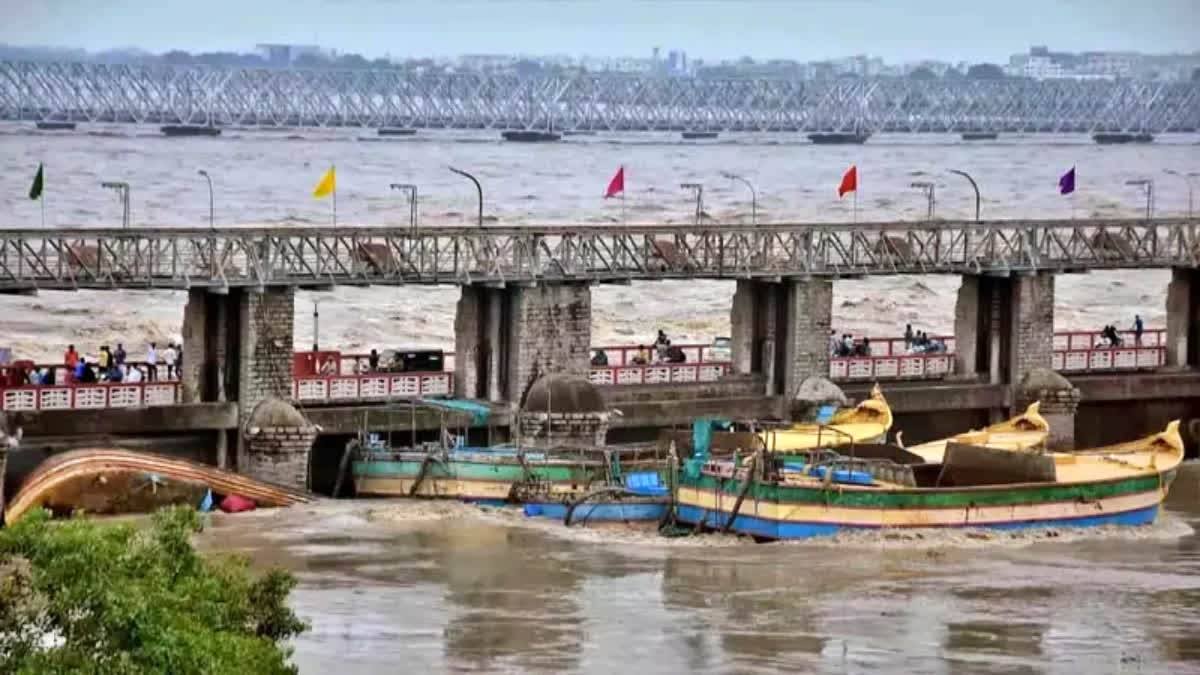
{"x": 230, "y": 257}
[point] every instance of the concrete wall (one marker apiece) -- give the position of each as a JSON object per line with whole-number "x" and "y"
{"x": 967, "y": 329}
{"x": 279, "y": 455}
{"x": 781, "y": 331}
{"x": 470, "y": 345}
{"x": 1183, "y": 318}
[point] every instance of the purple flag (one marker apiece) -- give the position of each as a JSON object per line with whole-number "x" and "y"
{"x": 1066, "y": 184}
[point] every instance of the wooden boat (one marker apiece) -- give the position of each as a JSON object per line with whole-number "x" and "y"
{"x": 698, "y": 135}
{"x": 867, "y": 422}
{"x": 1027, "y": 431}
{"x": 1118, "y": 138}
{"x": 530, "y": 136}
{"x": 190, "y": 130}
{"x": 980, "y": 135}
{"x": 975, "y": 486}
{"x": 839, "y": 138}
{"x": 110, "y": 480}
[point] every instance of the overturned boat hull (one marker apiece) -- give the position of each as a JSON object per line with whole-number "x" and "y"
{"x": 110, "y": 481}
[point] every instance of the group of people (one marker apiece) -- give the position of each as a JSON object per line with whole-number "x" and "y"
{"x": 1109, "y": 337}
{"x": 112, "y": 365}
{"x": 845, "y": 345}
{"x": 919, "y": 342}
{"x": 663, "y": 352}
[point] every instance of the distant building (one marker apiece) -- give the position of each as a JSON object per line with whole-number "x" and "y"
{"x": 286, "y": 55}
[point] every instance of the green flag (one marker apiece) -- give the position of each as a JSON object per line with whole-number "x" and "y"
{"x": 35, "y": 190}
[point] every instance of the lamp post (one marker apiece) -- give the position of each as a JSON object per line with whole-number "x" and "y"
{"x": 974, "y": 186}
{"x": 317, "y": 324}
{"x": 699, "y": 197}
{"x": 1187, "y": 177}
{"x": 753, "y": 195}
{"x": 122, "y": 189}
{"x": 478, "y": 188}
{"x": 208, "y": 178}
{"x": 1147, "y": 186}
{"x": 411, "y": 191}
{"x": 927, "y": 187}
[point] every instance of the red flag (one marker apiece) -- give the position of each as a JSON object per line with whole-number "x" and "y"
{"x": 849, "y": 181}
{"x": 617, "y": 184}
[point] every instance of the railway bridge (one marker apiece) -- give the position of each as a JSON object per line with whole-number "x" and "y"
{"x": 286, "y": 97}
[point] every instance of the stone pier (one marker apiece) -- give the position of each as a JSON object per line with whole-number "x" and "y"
{"x": 781, "y": 331}
{"x": 1183, "y": 318}
{"x": 237, "y": 347}
{"x": 506, "y": 337}
{"x": 1004, "y": 326}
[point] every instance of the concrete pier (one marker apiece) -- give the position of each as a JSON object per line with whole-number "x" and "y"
{"x": 1183, "y": 318}
{"x": 781, "y": 330}
{"x": 1004, "y": 326}
{"x": 506, "y": 337}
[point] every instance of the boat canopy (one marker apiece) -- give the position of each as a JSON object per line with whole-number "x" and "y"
{"x": 479, "y": 412}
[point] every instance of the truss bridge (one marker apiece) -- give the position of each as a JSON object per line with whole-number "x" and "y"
{"x": 265, "y": 97}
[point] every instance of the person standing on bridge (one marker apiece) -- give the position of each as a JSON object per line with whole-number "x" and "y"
{"x": 120, "y": 355}
{"x": 152, "y": 363}
{"x": 1138, "y": 328}
{"x": 70, "y": 360}
{"x": 169, "y": 357}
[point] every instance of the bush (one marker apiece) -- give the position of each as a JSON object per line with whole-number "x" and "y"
{"x": 82, "y": 596}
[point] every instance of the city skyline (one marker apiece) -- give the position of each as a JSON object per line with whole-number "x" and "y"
{"x": 809, "y": 30}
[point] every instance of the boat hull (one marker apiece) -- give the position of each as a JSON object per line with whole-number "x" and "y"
{"x": 612, "y": 511}
{"x": 775, "y": 511}
{"x": 496, "y": 480}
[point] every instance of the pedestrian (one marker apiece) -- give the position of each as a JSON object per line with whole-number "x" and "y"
{"x": 908, "y": 336}
{"x": 169, "y": 357}
{"x": 1138, "y": 327}
{"x": 120, "y": 355}
{"x": 152, "y": 363}
{"x": 70, "y": 360}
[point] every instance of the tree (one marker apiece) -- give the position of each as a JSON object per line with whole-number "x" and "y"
{"x": 985, "y": 71}
{"x": 922, "y": 73}
{"x": 80, "y": 596}
{"x": 1196, "y": 75}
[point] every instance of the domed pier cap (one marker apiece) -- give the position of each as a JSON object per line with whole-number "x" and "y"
{"x": 817, "y": 390}
{"x": 275, "y": 412}
{"x": 1043, "y": 379}
{"x": 560, "y": 393}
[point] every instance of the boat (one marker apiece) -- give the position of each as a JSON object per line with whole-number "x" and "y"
{"x": 56, "y": 126}
{"x": 396, "y": 131}
{"x": 1111, "y": 138}
{"x": 530, "y": 136}
{"x": 840, "y": 138}
{"x": 980, "y": 135}
{"x": 698, "y": 135}
{"x": 111, "y": 480}
{"x": 825, "y": 492}
{"x": 190, "y": 130}
{"x": 1027, "y": 431}
{"x": 866, "y": 422}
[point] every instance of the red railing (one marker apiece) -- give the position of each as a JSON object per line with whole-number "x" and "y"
{"x": 89, "y": 396}
{"x": 915, "y": 366}
{"x": 371, "y": 386}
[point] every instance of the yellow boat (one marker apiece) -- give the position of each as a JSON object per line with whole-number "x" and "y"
{"x": 1027, "y": 431}
{"x": 867, "y": 422}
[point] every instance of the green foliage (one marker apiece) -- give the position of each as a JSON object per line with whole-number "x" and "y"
{"x": 81, "y": 596}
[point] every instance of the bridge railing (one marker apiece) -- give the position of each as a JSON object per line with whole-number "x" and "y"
{"x": 371, "y": 387}
{"x": 658, "y": 373}
{"x": 89, "y": 396}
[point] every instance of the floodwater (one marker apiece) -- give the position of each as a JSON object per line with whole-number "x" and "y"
{"x": 402, "y": 586}
{"x": 267, "y": 178}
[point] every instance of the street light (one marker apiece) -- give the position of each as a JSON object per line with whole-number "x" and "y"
{"x": 974, "y": 186}
{"x": 478, "y": 188}
{"x": 1187, "y": 177}
{"x": 411, "y": 191}
{"x": 927, "y": 187}
{"x": 208, "y": 178}
{"x": 122, "y": 189}
{"x": 699, "y": 197}
{"x": 753, "y": 195}
{"x": 1147, "y": 186}
{"x": 317, "y": 324}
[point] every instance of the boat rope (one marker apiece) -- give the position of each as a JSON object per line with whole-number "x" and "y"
{"x": 429, "y": 459}
{"x": 594, "y": 493}
{"x": 737, "y": 505}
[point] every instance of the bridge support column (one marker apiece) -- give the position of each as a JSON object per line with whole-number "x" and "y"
{"x": 264, "y": 352}
{"x": 505, "y": 338}
{"x": 1004, "y": 326}
{"x": 1183, "y": 318}
{"x": 781, "y": 330}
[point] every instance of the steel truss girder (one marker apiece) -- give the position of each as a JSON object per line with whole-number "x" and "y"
{"x": 92, "y": 92}
{"x": 179, "y": 258}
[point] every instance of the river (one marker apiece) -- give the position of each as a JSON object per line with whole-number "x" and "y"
{"x": 395, "y": 586}
{"x": 267, "y": 178}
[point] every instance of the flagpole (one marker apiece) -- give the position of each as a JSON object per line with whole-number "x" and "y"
{"x": 623, "y": 208}
{"x": 856, "y": 203}
{"x": 335, "y": 203}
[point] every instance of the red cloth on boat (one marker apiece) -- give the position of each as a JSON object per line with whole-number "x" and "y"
{"x": 236, "y": 504}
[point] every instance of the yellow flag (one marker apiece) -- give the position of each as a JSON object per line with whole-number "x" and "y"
{"x": 326, "y": 185}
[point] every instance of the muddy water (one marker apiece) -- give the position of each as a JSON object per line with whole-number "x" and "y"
{"x": 402, "y": 586}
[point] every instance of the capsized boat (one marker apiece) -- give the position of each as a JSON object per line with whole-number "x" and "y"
{"x": 1027, "y": 431}
{"x": 110, "y": 480}
{"x": 773, "y": 497}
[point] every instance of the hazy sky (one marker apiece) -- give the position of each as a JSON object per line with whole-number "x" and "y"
{"x": 898, "y": 30}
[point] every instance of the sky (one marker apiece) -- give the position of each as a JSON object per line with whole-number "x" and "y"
{"x": 897, "y": 30}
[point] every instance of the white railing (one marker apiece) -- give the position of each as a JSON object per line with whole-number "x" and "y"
{"x": 370, "y": 387}
{"x": 89, "y": 396}
{"x": 659, "y": 373}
